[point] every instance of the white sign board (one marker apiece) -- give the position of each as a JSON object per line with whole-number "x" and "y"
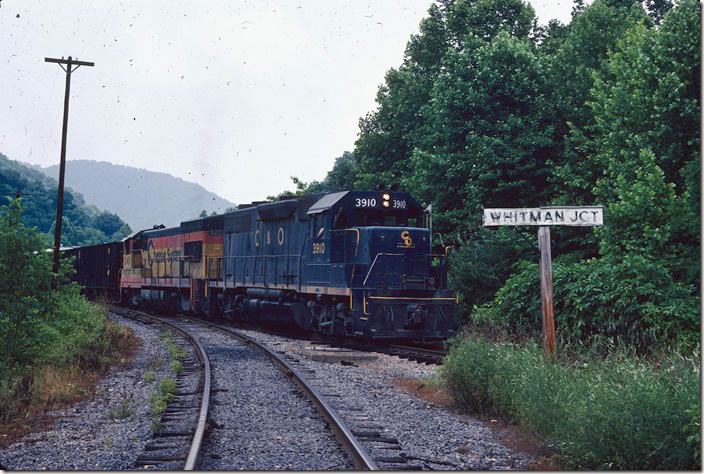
{"x": 544, "y": 216}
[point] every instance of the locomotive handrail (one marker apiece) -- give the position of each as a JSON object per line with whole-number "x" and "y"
{"x": 427, "y": 258}
{"x": 261, "y": 258}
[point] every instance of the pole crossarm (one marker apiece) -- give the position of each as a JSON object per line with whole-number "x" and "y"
{"x": 68, "y": 61}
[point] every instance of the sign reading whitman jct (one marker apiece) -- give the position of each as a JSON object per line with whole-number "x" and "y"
{"x": 542, "y": 216}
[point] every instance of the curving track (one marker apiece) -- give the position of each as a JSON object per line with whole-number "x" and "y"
{"x": 185, "y": 326}
{"x": 344, "y": 435}
{"x": 174, "y": 411}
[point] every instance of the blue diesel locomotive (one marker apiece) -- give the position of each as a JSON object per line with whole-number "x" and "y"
{"x": 348, "y": 263}
{"x": 353, "y": 263}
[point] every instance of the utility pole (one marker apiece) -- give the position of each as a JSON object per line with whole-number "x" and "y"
{"x": 70, "y": 63}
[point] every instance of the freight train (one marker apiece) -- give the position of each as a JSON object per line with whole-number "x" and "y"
{"x": 355, "y": 263}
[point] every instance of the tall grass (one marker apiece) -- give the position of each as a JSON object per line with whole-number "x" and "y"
{"x": 620, "y": 412}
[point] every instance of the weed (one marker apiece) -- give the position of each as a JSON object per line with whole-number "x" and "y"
{"x": 168, "y": 387}
{"x": 149, "y": 376}
{"x": 176, "y": 351}
{"x": 176, "y": 366}
{"x": 155, "y": 362}
{"x": 160, "y": 400}
{"x": 124, "y": 411}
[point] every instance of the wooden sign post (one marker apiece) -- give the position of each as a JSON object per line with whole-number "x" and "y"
{"x": 543, "y": 217}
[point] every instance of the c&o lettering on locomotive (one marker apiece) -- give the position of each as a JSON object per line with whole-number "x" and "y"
{"x": 407, "y": 240}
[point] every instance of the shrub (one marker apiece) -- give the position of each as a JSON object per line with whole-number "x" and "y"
{"x": 482, "y": 264}
{"x": 49, "y": 338}
{"x": 621, "y": 412}
{"x": 631, "y": 301}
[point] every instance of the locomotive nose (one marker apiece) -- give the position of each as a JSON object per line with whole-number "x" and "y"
{"x": 400, "y": 240}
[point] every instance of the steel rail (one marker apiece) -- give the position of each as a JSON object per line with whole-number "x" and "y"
{"x": 361, "y": 458}
{"x": 194, "y": 451}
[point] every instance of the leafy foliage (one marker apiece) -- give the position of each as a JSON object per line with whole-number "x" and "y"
{"x": 81, "y": 224}
{"x": 486, "y": 138}
{"x": 628, "y": 302}
{"x": 621, "y": 412}
{"x": 41, "y": 327}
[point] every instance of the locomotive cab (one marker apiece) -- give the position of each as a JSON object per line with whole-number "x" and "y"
{"x": 374, "y": 245}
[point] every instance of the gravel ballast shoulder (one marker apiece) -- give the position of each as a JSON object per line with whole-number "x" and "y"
{"x": 430, "y": 435}
{"x": 108, "y": 430}
{"x": 259, "y": 420}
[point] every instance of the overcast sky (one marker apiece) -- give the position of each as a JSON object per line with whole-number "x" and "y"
{"x": 234, "y": 95}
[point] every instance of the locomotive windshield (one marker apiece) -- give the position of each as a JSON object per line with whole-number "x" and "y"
{"x": 371, "y": 217}
{"x": 348, "y": 209}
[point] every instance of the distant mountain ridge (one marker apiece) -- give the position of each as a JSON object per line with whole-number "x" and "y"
{"x": 141, "y": 198}
{"x": 83, "y": 223}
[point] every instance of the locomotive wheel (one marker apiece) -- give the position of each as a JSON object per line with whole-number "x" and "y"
{"x": 229, "y": 308}
{"x": 329, "y": 322}
{"x": 217, "y": 304}
{"x": 239, "y": 313}
{"x": 204, "y": 307}
{"x": 184, "y": 303}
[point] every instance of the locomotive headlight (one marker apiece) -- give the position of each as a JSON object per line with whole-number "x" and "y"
{"x": 386, "y": 204}
{"x": 386, "y": 197}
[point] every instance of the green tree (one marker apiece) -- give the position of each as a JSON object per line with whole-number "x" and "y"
{"x": 488, "y": 134}
{"x": 389, "y": 135}
{"x": 647, "y": 136}
{"x": 107, "y": 222}
{"x": 572, "y": 69}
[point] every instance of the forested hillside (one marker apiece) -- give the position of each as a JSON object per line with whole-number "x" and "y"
{"x": 488, "y": 109}
{"x": 82, "y": 224}
{"x": 142, "y": 198}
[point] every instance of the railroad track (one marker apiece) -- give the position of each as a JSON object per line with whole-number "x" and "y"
{"x": 177, "y": 426}
{"x": 344, "y": 435}
{"x": 417, "y": 353}
{"x": 388, "y": 446}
